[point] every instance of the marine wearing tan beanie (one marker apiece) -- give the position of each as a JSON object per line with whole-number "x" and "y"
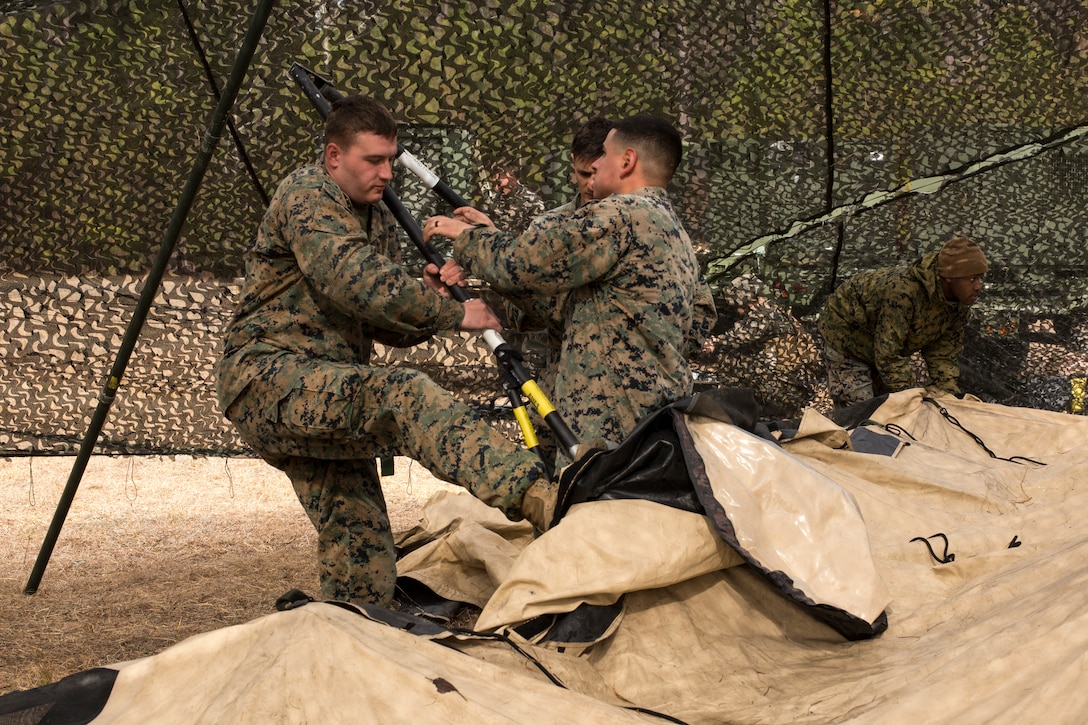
{"x": 961, "y": 257}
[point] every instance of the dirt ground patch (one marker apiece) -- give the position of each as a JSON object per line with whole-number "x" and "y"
{"x": 154, "y": 549}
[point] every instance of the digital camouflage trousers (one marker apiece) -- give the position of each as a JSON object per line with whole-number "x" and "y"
{"x": 850, "y": 381}
{"x": 324, "y": 424}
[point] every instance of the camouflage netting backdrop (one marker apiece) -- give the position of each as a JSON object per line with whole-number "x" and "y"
{"x": 822, "y": 139}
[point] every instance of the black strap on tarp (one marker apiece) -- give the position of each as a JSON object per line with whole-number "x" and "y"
{"x": 982, "y": 444}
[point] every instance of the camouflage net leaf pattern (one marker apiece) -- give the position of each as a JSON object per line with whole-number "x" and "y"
{"x": 790, "y": 111}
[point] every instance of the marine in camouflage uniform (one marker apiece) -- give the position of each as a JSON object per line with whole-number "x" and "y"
{"x": 296, "y": 380}
{"x": 586, "y": 147}
{"x": 633, "y": 302}
{"x": 873, "y": 323}
{"x": 513, "y": 204}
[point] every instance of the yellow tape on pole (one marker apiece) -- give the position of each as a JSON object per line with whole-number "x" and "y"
{"x": 527, "y": 430}
{"x": 540, "y": 401}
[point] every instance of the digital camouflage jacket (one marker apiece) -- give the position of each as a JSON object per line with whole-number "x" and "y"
{"x": 620, "y": 280}
{"x": 319, "y": 282}
{"x": 883, "y": 316}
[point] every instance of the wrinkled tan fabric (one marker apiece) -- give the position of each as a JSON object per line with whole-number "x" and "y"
{"x": 996, "y": 634}
{"x": 822, "y": 429}
{"x": 323, "y": 664}
{"x": 462, "y": 550}
{"x": 601, "y": 550}
{"x": 788, "y": 516}
{"x": 792, "y": 518}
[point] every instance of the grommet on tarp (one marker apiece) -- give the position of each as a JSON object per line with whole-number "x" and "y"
{"x": 945, "y": 558}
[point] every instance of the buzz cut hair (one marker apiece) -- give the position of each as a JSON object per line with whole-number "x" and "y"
{"x": 659, "y": 144}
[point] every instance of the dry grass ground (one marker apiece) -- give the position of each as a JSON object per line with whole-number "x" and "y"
{"x": 153, "y": 550}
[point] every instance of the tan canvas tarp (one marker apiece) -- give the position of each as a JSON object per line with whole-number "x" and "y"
{"x": 991, "y": 628}
{"x": 323, "y": 664}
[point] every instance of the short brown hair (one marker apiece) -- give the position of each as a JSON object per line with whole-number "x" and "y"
{"x": 357, "y": 114}
{"x": 588, "y": 142}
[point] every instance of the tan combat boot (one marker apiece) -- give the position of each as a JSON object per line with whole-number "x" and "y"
{"x": 538, "y": 504}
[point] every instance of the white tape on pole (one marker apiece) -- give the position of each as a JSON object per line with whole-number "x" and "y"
{"x": 416, "y": 167}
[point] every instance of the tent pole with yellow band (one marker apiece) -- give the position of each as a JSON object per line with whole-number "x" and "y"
{"x": 509, "y": 357}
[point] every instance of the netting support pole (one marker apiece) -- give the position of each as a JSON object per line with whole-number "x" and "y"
{"x": 829, "y": 134}
{"x": 151, "y": 285}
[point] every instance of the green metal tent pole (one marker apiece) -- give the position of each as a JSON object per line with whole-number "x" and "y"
{"x": 151, "y": 286}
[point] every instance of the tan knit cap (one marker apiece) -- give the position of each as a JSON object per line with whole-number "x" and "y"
{"x": 961, "y": 257}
